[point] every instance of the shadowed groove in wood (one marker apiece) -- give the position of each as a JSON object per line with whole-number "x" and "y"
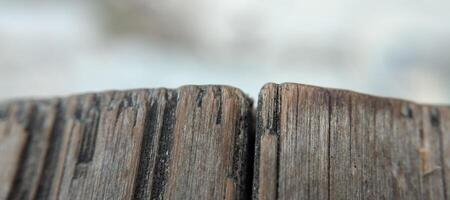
{"x": 142, "y": 180}
{"x": 164, "y": 146}
{"x": 243, "y": 151}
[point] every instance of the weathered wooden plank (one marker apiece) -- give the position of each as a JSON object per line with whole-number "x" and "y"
{"x": 211, "y": 131}
{"x": 301, "y": 129}
{"x": 334, "y": 144}
{"x": 303, "y": 137}
{"x": 196, "y": 142}
{"x": 192, "y": 143}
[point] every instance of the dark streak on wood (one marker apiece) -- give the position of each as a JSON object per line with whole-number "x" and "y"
{"x": 200, "y": 96}
{"x": 218, "y": 96}
{"x": 142, "y": 178}
{"x": 164, "y": 146}
{"x": 89, "y": 136}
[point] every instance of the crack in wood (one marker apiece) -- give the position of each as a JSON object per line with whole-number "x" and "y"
{"x": 200, "y": 142}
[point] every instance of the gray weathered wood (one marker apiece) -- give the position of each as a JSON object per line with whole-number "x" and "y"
{"x": 197, "y": 142}
{"x": 317, "y": 143}
{"x": 190, "y": 143}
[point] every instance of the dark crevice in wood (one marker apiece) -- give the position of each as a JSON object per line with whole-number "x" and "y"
{"x": 237, "y": 153}
{"x": 200, "y": 96}
{"x": 434, "y": 118}
{"x": 276, "y": 124}
{"x": 129, "y": 100}
{"x": 421, "y": 133}
{"x": 120, "y": 107}
{"x": 78, "y": 110}
{"x": 165, "y": 143}
{"x": 218, "y": 96}
{"x": 249, "y": 158}
{"x": 436, "y": 123}
{"x": 243, "y": 153}
{"x": 142, "y": 178}
{"x": 407, "y": 111}
{"x": 259, "y": 128}
{"x": 276, "y": 120}
{"x": 89, "y": 136}
{"x": 51, "y": 159}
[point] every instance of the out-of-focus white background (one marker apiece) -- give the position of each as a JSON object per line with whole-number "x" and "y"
{"x": 391, "y": 48}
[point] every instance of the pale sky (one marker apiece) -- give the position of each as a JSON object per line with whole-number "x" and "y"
{"x": 388, "y": 48}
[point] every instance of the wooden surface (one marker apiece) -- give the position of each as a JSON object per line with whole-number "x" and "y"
{"x": 200, "y": 142}
{"x": 191, "y": 143}
{"x": 316, "y": 143}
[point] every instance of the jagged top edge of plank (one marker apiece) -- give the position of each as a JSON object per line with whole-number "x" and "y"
{"x": 111, "y": 98}
{"x": 346, "y": 91}
{"x": 45, "y": 100}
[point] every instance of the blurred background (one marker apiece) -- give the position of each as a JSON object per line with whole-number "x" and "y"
{"x": 390, "y": 48}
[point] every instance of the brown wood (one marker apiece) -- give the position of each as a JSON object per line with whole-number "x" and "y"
{"x": 199, "y": 142}
{"x": 316, "y": 143}
{"x": 189, "y": 143}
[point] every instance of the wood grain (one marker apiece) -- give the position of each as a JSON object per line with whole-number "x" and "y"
{"x": 317, "y": 143}
{"x": 199, "y": 142}
{"x": 194, "y": 142}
